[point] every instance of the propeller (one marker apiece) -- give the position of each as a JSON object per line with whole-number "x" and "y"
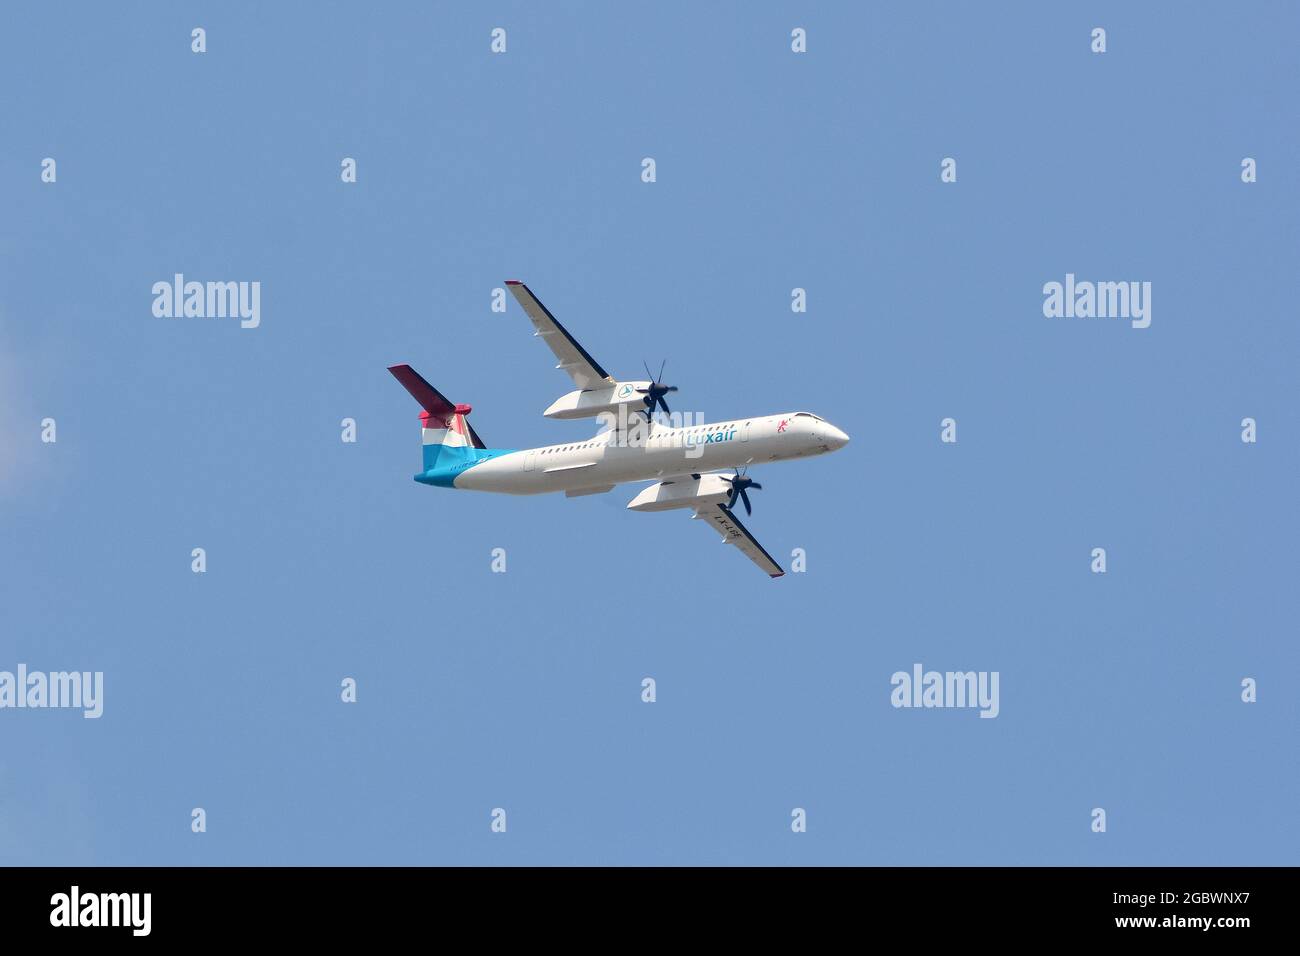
{"x": 654, "y": 395}
{"x": 738, "y": 485}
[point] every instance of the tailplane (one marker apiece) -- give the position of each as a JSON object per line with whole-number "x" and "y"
{"x": 448, "y": 437}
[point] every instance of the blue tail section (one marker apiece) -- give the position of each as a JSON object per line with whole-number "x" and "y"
{"x": 450, "y": 443}
{"x": 444, "y": 463}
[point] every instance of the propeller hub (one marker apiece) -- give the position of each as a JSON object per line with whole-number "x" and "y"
{"x": 655, "y": 392}
{"x": 739, "y": 485}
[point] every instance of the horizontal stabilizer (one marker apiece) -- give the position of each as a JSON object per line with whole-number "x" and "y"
{"x": 430, "y": 399}
{"x": 440, "y": 412}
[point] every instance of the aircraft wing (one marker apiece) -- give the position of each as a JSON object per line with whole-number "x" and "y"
{"x": 574, "y": 359}
{"x": 733, "y": 532}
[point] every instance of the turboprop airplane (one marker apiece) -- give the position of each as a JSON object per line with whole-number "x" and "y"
{"x": 701, "y": 467}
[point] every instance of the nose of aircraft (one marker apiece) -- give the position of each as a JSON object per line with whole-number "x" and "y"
{"x": 835, "y": 438}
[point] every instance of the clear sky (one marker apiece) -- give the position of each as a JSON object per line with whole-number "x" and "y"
{"x": 522, "y": 690}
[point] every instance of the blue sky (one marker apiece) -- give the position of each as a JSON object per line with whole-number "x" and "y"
{"x": 522, "y": 690}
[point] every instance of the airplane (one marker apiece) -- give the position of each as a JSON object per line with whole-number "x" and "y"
{"x": 701, "y": 467}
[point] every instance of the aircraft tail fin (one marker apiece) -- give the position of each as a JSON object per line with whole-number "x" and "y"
{"x": 442, "y": 423}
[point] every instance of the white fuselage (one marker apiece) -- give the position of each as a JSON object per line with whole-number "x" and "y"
{"x": 612, "y": 458}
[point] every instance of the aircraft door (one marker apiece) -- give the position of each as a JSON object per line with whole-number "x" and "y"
{"x": 530, "y": 461}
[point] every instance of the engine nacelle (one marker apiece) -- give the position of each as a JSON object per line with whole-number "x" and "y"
{"x": 684, "y": 492}
{"x": 590, "y": 402}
